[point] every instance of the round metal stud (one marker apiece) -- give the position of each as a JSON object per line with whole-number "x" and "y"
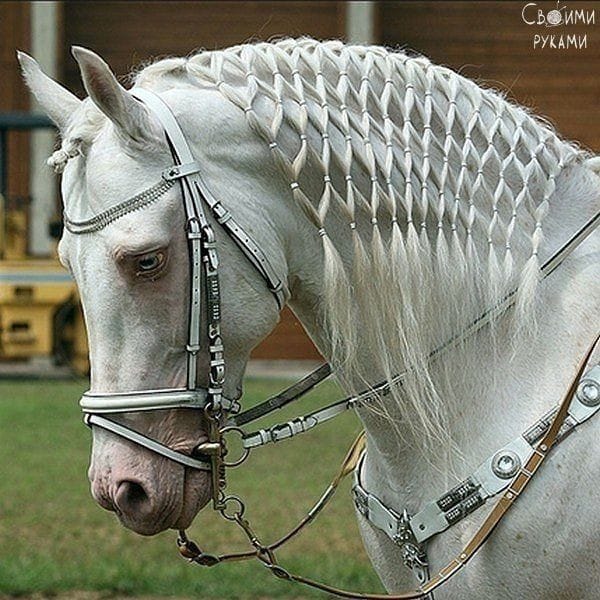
{"x": 589, "y": 392}
{"x": 505, "y": 464}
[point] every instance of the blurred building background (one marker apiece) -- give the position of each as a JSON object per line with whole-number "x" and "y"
{"x": 493, "y": 42}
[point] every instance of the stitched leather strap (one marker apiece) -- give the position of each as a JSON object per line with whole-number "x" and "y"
{"x": 283, "y": 398}
{"x": 242, "y": 239}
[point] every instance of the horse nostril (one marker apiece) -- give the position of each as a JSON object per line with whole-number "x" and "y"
{"x": 131, "y": 498}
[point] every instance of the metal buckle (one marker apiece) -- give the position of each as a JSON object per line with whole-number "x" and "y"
{"x": 281, "y": 431}
{"x": 221, "y": 213}
{"x": 413, "y": 553}
{"x": 361, "y": 501}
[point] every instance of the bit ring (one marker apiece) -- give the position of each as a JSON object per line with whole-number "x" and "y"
{"x": 246, "y": 452}
{"x": 235, "y": 515}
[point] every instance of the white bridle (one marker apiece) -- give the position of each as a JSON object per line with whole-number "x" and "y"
{"x": 472, "y": 493}
{"x": 204, "y": 275}
{"x": 204, "y": 268}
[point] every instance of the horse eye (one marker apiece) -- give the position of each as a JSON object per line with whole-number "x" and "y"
{"x": 150, "y": 264}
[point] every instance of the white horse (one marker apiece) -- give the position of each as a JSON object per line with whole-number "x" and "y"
{"x": 398, "y": 201}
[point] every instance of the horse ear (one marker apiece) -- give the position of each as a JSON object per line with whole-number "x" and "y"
{"x": 130, "y": 117}
{"x": 56, "y": 101}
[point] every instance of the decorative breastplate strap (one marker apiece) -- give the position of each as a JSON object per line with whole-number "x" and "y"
{"x": 494, "y": 475}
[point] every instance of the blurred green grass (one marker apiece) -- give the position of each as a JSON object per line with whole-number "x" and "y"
{"x": 54, "y": 538}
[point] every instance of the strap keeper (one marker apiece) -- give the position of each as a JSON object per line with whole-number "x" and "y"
{"x": 278, "y": 287}
{"x": 221, "y": 213}
{"x": 193, "y": 348}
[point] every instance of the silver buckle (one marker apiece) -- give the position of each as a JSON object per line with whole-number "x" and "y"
{"x": 413, "y": 553}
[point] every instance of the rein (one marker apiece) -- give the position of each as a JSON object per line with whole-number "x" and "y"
{"x": 223, "y": 416}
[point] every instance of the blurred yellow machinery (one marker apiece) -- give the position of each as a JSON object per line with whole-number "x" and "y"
{"x": 40, "y": 313}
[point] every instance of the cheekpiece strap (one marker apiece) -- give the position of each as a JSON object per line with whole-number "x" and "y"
{"x": 203, "y": 254}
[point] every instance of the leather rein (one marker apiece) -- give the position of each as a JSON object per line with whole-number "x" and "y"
{"x": 223, "y": 414}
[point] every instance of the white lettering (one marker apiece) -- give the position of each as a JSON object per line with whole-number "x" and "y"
{"x": 568, "y": 17}
{"x": 560, "y": 42}
{"x": 523, "y": 13}
{"x": 561, "y": 15}
{"x": 541, "y": 17}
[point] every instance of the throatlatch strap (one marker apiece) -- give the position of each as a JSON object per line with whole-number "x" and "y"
{"x": 294, "y": 392}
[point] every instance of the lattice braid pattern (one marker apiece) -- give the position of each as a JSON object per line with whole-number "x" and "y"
{"x": 443, "y": 186}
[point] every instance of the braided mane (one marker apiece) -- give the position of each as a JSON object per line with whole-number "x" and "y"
{"x": 443, "y": 187}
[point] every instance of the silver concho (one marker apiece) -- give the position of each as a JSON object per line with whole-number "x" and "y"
{"x": 589, "y": 392}
{"x": 505, "y": 464}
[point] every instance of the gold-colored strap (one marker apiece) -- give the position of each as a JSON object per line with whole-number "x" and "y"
{"x": 352, "y": 457}
{"x": 191, "y": 551}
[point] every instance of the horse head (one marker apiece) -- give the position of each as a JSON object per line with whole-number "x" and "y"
{"x": 134, "y": 280}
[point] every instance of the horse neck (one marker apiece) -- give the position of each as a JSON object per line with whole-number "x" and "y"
{"x": 511, "y": 387}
